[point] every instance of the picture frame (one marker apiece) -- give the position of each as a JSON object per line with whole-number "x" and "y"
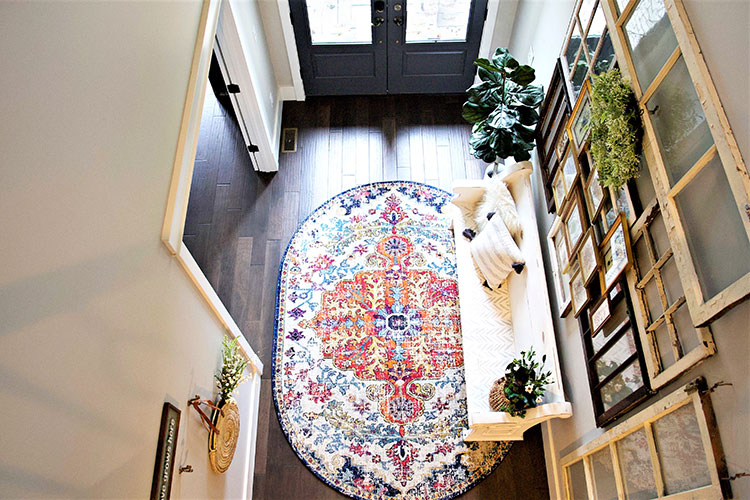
{"x": 573, "y": 222}
{"x": 165, "y": 463}
{"x": 579, "y": 125}
{"x": 594, "y": 193}
{"x": 558, "y": 189}
{"x": 599, "y": 314}
{"x": 561, "y": 145}
{"x": 578, "y": 292}
{"x": 558, "y": 248}
{"x": 616, "y": 253}
{"x": 588, "y": 257}
{"x": 570, "y": 172}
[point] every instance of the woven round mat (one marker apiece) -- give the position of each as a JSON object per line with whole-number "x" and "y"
{"x": 221, "y": 445}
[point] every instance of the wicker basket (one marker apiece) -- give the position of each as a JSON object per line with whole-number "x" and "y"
{"x": 497, "y": 395}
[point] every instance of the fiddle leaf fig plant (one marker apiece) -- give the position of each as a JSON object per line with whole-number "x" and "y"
{"x": 502, "y": 108}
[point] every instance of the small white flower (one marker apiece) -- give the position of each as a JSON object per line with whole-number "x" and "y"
{"x": 539, "y": 400}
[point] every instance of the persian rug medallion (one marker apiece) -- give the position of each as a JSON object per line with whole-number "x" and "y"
{"x": 368, "y": 377}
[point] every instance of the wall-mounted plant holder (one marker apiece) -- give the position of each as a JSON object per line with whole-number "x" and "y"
{"x": 222, "y": 442}
{"x": 223, "y": 430}
{"x": 207, "y": 422}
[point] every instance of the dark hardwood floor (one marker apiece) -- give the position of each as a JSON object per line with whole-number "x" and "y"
{"x": 239, "y": 223}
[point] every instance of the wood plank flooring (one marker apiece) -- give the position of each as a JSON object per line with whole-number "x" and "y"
{"x": 239, "y": 223}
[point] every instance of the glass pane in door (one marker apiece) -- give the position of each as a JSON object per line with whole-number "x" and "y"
{"x": 339, "y": 21}
{"x": 437, "y": 20}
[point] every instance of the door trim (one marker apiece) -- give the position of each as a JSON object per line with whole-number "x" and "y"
{"x": 267, "y": 138}
{"x": 291, "y": 48}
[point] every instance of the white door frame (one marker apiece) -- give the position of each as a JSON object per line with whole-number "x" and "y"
{"x": 247, "y": 101}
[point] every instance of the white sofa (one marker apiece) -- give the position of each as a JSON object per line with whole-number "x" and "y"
{"x": 497, "y": 325}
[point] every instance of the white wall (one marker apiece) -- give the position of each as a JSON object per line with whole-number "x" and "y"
{"x": 99, "y": 324}
{"x": 721, "y": 29}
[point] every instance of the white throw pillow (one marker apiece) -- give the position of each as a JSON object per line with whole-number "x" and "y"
{"x": 495, "y": 253}
{"x": 498, "y": 199}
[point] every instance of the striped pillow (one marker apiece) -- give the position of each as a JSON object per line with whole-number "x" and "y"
{"x": 495, "y": 253}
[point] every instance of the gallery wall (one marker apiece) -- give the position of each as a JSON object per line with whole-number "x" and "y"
{"x": 721, "y": 29}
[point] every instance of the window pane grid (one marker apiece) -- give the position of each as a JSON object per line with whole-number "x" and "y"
{"x": 644, "y": 457}
{"x": 640, "y": 26}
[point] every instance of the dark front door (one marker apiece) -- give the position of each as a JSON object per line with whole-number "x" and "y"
{"x": 394, "y": 46}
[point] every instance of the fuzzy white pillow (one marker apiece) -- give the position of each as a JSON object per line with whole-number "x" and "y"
{"x": 498, "y": 199}
{"x": 495, "y": 253}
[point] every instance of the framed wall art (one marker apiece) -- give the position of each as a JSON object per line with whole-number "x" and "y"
{"x": 599, "y": 313}
{"x": 558, "y": 189}
{"x": 561, "y": 145}
{"x": 579, "y": 294}
{"x": 588, "y": 257}
{"x": 161, "y": 485}
{"x": 616, "y": 253}
{"x": 594, "y": 193}
{"x": 559, "y": 262}
{"x": 573, "y": 222}
{"x": 579, "y": 127}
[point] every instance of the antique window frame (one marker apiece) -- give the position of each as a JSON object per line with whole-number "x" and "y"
{"x": 695, "y": 394}
{"x": 641, "y": 276}
{"x": 702, "y": 309}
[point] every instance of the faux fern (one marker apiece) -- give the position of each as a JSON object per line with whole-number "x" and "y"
{"x": 616, "y": 129}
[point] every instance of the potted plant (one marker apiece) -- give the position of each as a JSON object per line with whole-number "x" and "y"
{"x": 616, "y": 129}
{"x": 502, "y": 107}
{"x": 522, "y": 387}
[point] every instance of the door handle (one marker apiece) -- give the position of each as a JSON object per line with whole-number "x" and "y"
{"x": 398, "y": 21}
{"x": 378, "y": 21}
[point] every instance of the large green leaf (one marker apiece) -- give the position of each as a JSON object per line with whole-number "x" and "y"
{"x": 502, "y": 59}
{"x": 486, "y": 64}
{"x": 522, "y": 75}
{"x": 502, "y": 117}
{"x": 529, "y": 96}
{"x": 527, "y": 115}
{"x": 473, "y": 113}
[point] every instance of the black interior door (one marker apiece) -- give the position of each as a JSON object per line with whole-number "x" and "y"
{"x": 387, "y": 46}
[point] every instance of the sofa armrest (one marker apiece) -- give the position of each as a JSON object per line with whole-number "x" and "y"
{"x": 467, "y": 192}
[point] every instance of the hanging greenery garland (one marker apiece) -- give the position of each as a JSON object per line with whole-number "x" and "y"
{"x": 616, "y": 129}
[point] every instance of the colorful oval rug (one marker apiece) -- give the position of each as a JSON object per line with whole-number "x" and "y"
{"x": 368, "y": 376}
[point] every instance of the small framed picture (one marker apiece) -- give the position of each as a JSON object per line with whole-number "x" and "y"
{"x": 574, "y": 223}
{"x": 616, "y": 253}
{"x": 570, "y": 172}
{"x": 579, "y": 126}
{"x": 558, "y": 189}
{"x": 594, "y": 193}
{"x": 562, "y": 143}
{"x": 588, "y": 256}
{"x": 559, "y": 261}
{"x": 579, "y": 294}
{"x": 599, "y": 314}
